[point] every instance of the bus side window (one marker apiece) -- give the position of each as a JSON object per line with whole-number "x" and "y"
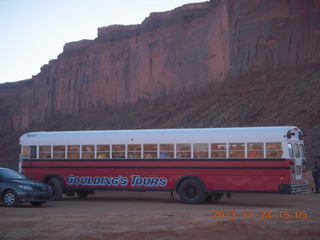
{"x": 218, "y": 150}
{"x": 236, "y": 150}
{"x": 33, "y": 151}
{"x": 274, "y": 150}
{"x": 166, "y": 151}
{"x": 45, "y": 151}
{"x": 119, "y": 151}
{"x": 87, "y": 151}
{"x": 184, "y": 150}
{"x": 103, "y": 151}
{"x": 150, "y": 151}
{"x": 26, "y": 151}
{"x": 59, "y": 151}
{"x": 134, "y": 151}
{"x": 200, "y": 150}
{"x": 255, "y": 150}
{"x": 296, "y": 150}
{"x": 74, "y": 151}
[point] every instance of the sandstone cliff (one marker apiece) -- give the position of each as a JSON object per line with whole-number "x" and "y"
{"x": 174, "y": 52}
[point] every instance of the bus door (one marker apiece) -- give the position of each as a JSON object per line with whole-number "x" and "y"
{"x": 297, "y": 156}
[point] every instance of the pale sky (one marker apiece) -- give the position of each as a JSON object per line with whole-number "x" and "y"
{"x": 32, "y": 32}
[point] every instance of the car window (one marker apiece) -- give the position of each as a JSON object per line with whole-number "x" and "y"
{"x": 11, "y": 174}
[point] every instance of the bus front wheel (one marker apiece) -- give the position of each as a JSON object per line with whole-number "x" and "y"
{"x": 192, "y": 191}
{"x": 56, "y": 188}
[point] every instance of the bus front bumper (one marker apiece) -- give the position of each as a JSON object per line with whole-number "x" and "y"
{"x": 292, "y": 188}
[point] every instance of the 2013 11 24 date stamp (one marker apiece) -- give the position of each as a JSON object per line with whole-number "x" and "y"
{"x": 260, "y": 214}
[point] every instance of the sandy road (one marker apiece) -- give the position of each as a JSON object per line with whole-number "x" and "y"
{"x": 153, "y": 215}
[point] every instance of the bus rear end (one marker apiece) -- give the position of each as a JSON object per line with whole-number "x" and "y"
{"x": 295, "y": 156}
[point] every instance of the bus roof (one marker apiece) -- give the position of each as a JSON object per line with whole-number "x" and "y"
{"x": 186, "y": 135}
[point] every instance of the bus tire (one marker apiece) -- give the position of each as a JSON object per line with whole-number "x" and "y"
{"x": 56, "y": 188}
{"x": 192, "y": 191}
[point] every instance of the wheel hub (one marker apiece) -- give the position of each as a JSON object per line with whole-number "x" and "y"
{"x": 9, "y": 199}
{"x": 191, "y": 191}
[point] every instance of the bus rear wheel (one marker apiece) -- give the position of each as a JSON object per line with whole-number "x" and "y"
{"x": 56, "y": 188}
{"x": 192, "y": 191}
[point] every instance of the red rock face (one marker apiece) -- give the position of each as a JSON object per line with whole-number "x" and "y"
{"x": 169, "y": 53}
{"x": 274, "y": 34}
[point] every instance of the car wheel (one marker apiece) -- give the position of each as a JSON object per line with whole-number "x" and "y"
{"x": 37, "y": 204}
{"x": 10, "y": 198}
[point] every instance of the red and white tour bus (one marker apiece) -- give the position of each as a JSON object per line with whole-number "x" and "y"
{"x": 199, "y": 164}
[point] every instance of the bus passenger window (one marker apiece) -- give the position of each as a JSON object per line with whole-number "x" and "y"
{"x": 26, "y": 151}
{"x": 103, "y": 151}
{"x": 44, "y": 151}
{"x": 184, "y": 150}
{"x": 255, "y": 150}
{"x": 218, "y": 150}
{"x": 274, "y": 150}
{"x": 33, "y": 151}
{"x": 296, "y": 150}
{"x": 166, "y": 151}
{"x": 87, "y": 151}
{"x": 200, "y": 150}
{"x": 73, "y": 151}
{"x": 134, "y": 151}
{"x": 119, "y": 151}
{"x": 150, "y": 151}
{"x": 236, "y": 150}
{"x": 59, "y": 151}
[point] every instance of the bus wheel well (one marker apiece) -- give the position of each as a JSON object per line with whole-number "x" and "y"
{"x": 178, "y": 183}
{"x": 47, "y": 178}
{"x": 56, "y": 184}
{"x": 192, "y": 190}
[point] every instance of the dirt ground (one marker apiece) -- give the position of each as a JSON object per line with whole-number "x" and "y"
{"x": 153, "y": 215}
